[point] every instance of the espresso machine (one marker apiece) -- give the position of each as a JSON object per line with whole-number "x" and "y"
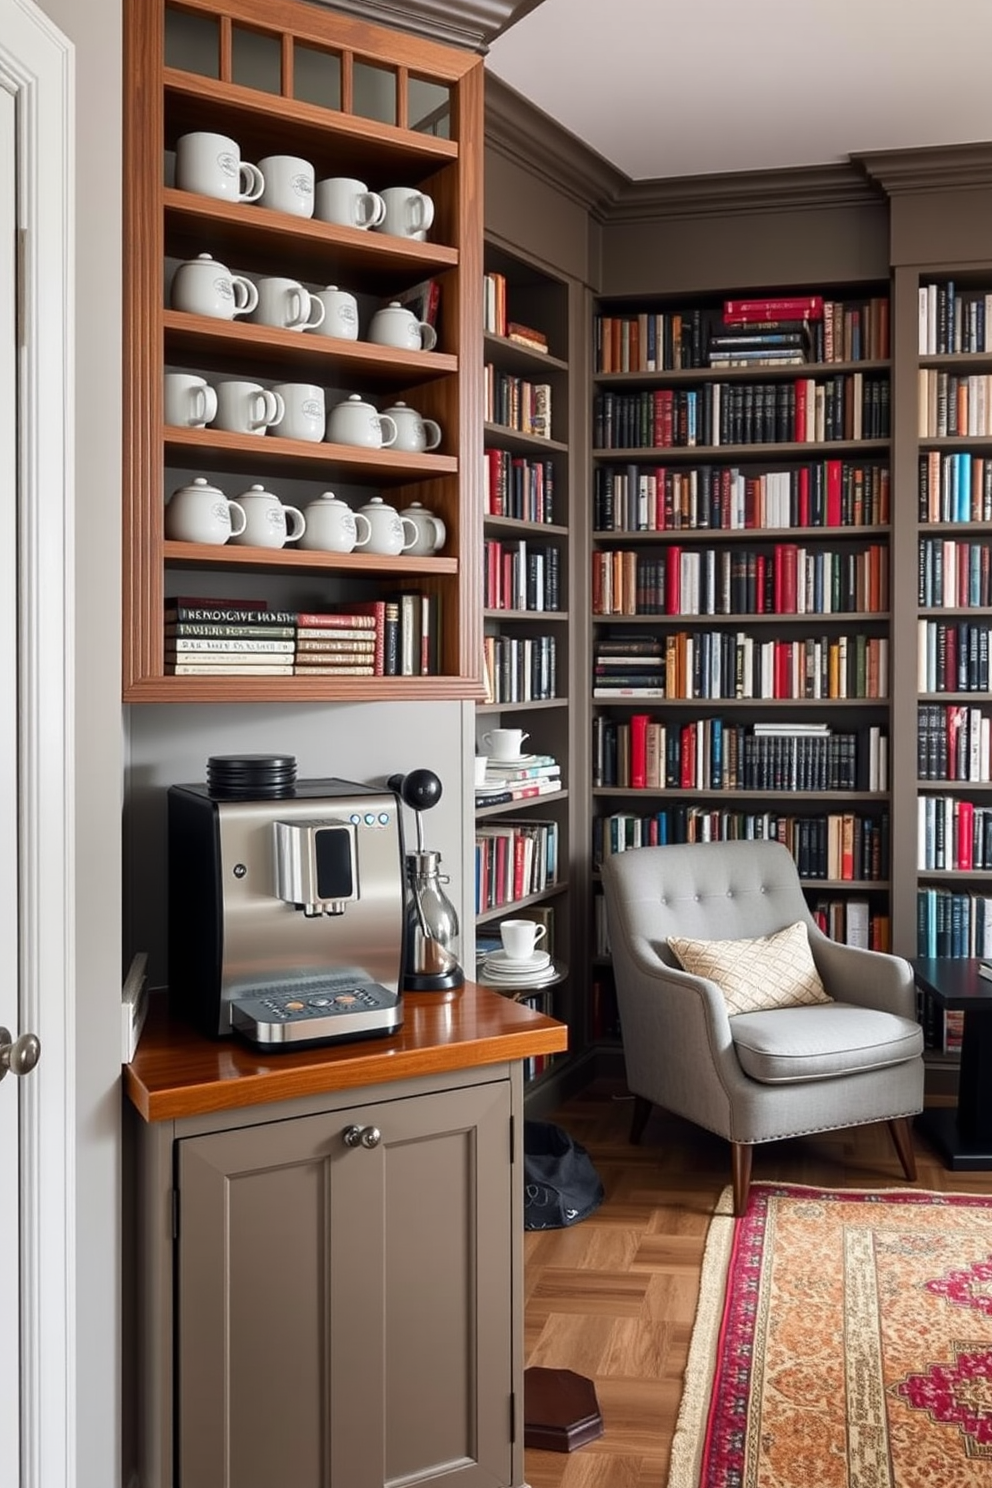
{"x": 286, "y": 905}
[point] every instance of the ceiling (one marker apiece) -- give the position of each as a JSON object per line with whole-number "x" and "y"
{"x": 663, "y": 88}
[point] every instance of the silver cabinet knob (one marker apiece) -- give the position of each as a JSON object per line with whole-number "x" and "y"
{"x": 362, "y": 1136}
{"x": 21, "y": 1056}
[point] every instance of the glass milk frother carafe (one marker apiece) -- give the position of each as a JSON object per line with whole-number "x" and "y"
{"x": 432, "y": 943}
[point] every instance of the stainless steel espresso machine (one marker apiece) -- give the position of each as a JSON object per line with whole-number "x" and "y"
{"x": 286, "y": 905}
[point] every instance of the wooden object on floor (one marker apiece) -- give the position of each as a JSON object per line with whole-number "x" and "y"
{"x": 561, "y": 1411}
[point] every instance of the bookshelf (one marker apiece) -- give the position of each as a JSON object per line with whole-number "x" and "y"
{"x": 954, "y": 621}
{"x": 740, "y": 553}
{"x": 527, "y": 578}
{"x": 351, "y": 99}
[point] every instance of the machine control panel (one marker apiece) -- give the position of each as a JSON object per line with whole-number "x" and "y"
{"x": 315, "y": 1011}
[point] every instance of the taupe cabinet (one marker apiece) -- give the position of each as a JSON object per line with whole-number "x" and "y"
{"x": 331, "y": 1289}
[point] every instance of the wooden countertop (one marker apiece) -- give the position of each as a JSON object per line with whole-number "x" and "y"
{"x": 178, "y": 1072}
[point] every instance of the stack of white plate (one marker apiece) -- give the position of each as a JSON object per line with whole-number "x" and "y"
{"x": 499, "y": 969}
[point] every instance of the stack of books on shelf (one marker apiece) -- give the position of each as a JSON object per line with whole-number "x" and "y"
{"x": 343, "y": 644}
{"x": 525, "y": 335}
{"x": 629, "y": 666}
{"x": 530, "y": 776}
{"x": 765, "y": 333}
{"x": 242, "y": 637}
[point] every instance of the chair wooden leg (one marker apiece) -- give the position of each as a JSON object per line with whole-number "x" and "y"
{"x": 639, "y": 1120}
{"x": 902, "y": 1136}
{"x": 741, "y": 1154}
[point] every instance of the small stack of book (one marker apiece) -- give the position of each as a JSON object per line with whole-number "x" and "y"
{"x": 241, "y": 637}
{"x": 765, "y": 333}
{"x": 628, "y": 666}
{"x": 343, "y": 644}
{"x": 525, "y": 335}
{"x": 520, "y": 780}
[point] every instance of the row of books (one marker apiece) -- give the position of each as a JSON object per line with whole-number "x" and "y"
{"x": 954, "y": 742}
{"x": 847, "y": 406}
{"x": 516, "y": 403}
{"x": 519, "y": 669}
{"x": 954, "y": 487}
{"x": 790, "y": 579}
{"x": 953, "y": 922}
{"x": 943, "y": 1028}
{"x": 724, "y": 664}
{"x": 519, "y": 488}
{"x": 847, "y": 848}
{"x": 952, "y": 834}
{"x": 954, "y": 403}
{"x": 514, "y": 859}
{"x": 661, "y": 341}
{"x": 519, "y": 574}
{"x": 717, "y": 755}
{"x": 505, "y": 783}
{"x": 953, "y": 574}
{"x": 825, "y": 493}
{"x": 496, "y": 316}
{"x": 953, "y": 655}
{"x": 954, "y": 319}
{"x": 244, "y": 637}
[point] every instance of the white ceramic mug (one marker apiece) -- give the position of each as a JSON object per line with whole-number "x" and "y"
{"x": 481, "y": 766}
{"x": 190, "y": 401}
{"x": 305, "y": 415}
{"x": 340, "y": 313}
{"x": 268, "y": 522}
{"x": 247, "y": 407}
{"x": 520, "y": 938}
{"x": 211, "y": 164}
{"x": 409, "y": 213}
{"x": 202, "y": 286}
{"x": 505, "y": 744}
{"x": 289, "y": 183}
{"x": 348, "y": 202}
{"x": 332, "y": 526}
{"x": 202, "y": 513}
{"x": 286, "y": 304}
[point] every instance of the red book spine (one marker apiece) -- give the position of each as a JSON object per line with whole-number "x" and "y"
{"x": 673, "y": 581}
{"x": 376, "y": 609}
{"x": 799, "y": 425}
{"x": 777, "y": 579}
{"x": 658, "y": 520}
{"x": 345, "y": 618}
{"x": 789, "y": 307}
{"x": 687, "y": 759}
{"x": 966, "y": 828}
{"x": 519, "y": 858}
{"x": 790, "y": 559}
{"x": 834, "y": 493}
{"x": 638, "y": 750}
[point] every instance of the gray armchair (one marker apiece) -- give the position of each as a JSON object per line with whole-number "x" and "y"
{"x": 755, "y": 1076}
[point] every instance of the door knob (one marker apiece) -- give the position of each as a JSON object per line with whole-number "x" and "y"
{"x": 362, "y": 1136}
{"x": 21, "y": 1056}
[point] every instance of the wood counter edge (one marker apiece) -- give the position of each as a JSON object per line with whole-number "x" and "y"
{"x": 177, "y": 1072}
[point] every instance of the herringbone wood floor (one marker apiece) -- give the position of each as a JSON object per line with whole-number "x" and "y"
{"x": 613, "y": 1298}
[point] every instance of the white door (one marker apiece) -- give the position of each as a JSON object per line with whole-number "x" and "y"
{"x": 36, "y": 972}
{"x": 9, "y": 1011}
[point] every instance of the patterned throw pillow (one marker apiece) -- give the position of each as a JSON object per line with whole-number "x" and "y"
{"x": 774, "y": 971}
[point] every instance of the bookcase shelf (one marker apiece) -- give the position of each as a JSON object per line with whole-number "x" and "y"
{"x": 253, "y": 72}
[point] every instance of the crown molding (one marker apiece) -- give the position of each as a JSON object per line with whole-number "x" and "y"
{"x": 470, "y": 24}
{"x": 793, "y": 189}
{"x": 933, "y": 168}
{"x": 530, "y": 138}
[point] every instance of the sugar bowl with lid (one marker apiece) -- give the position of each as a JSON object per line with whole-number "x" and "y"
{"x": 202, "y": 513}
{"x": 396, "y": 326}
{"x": 431, "y": 531}
{"x": 356, "y": 422}
{"x": 332, "y": 526}
{"x": 389, "y": 533}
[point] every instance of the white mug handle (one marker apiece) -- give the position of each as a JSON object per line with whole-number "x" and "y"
{"x": 252, "y": 182}
{"x": 316, "y": 315}
{"x": 209, "y": 397}
{"x": 428, "y": 336}
{"x": 237, "y": 511}
{"x": 275, "y": 407}
{"x": 299, "y": 308}
{"x": 360, "y": 541}
{"x": 440, "y": 533}
{"x": 432, "y": 434}
{"x": 487, "y": 739}
{"x": 542, "y": 930}
{"x": 370, "y": 209}
{"x": 414, "y": 531}
{"x": 296, "y": 523}
{"x": 423, "y": 211}
{"x": 387, "y": 439}
{"x": 245, "y": 295}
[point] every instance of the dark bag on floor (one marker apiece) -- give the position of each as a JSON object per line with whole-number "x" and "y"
{"x": 561, "y": 1186}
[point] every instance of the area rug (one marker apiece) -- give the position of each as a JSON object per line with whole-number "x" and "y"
{"x": 843, "y": 1339}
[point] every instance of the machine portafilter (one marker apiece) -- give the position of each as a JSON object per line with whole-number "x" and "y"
{"x": 432, "y": 941}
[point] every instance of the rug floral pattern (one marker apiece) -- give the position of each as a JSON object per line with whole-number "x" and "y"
{"x": 854, "y": 1348}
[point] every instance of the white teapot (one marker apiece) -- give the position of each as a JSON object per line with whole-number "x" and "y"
{"x": 202, "y": 286}
{"x": 396, "y": 326}
{"x": 431, "y": 531}
{"x": 413, "y": 432}
{"x": 357, "y": 422}
{"x": 332, "y": 526}
{"x": 202, "y": 513}
{"x": 388, "y": 531}
{"x": 268, "y": 522}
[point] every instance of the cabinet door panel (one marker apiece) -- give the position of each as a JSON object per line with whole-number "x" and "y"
{"x": 344, "y": 1312}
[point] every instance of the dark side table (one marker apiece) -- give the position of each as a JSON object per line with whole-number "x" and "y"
{"x": 962, "y": 1136}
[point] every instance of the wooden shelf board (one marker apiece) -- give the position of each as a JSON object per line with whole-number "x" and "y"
{"x": 216, "y": 449}
{"x": 297, "y": 560}
{"x": 223, "y": 689}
